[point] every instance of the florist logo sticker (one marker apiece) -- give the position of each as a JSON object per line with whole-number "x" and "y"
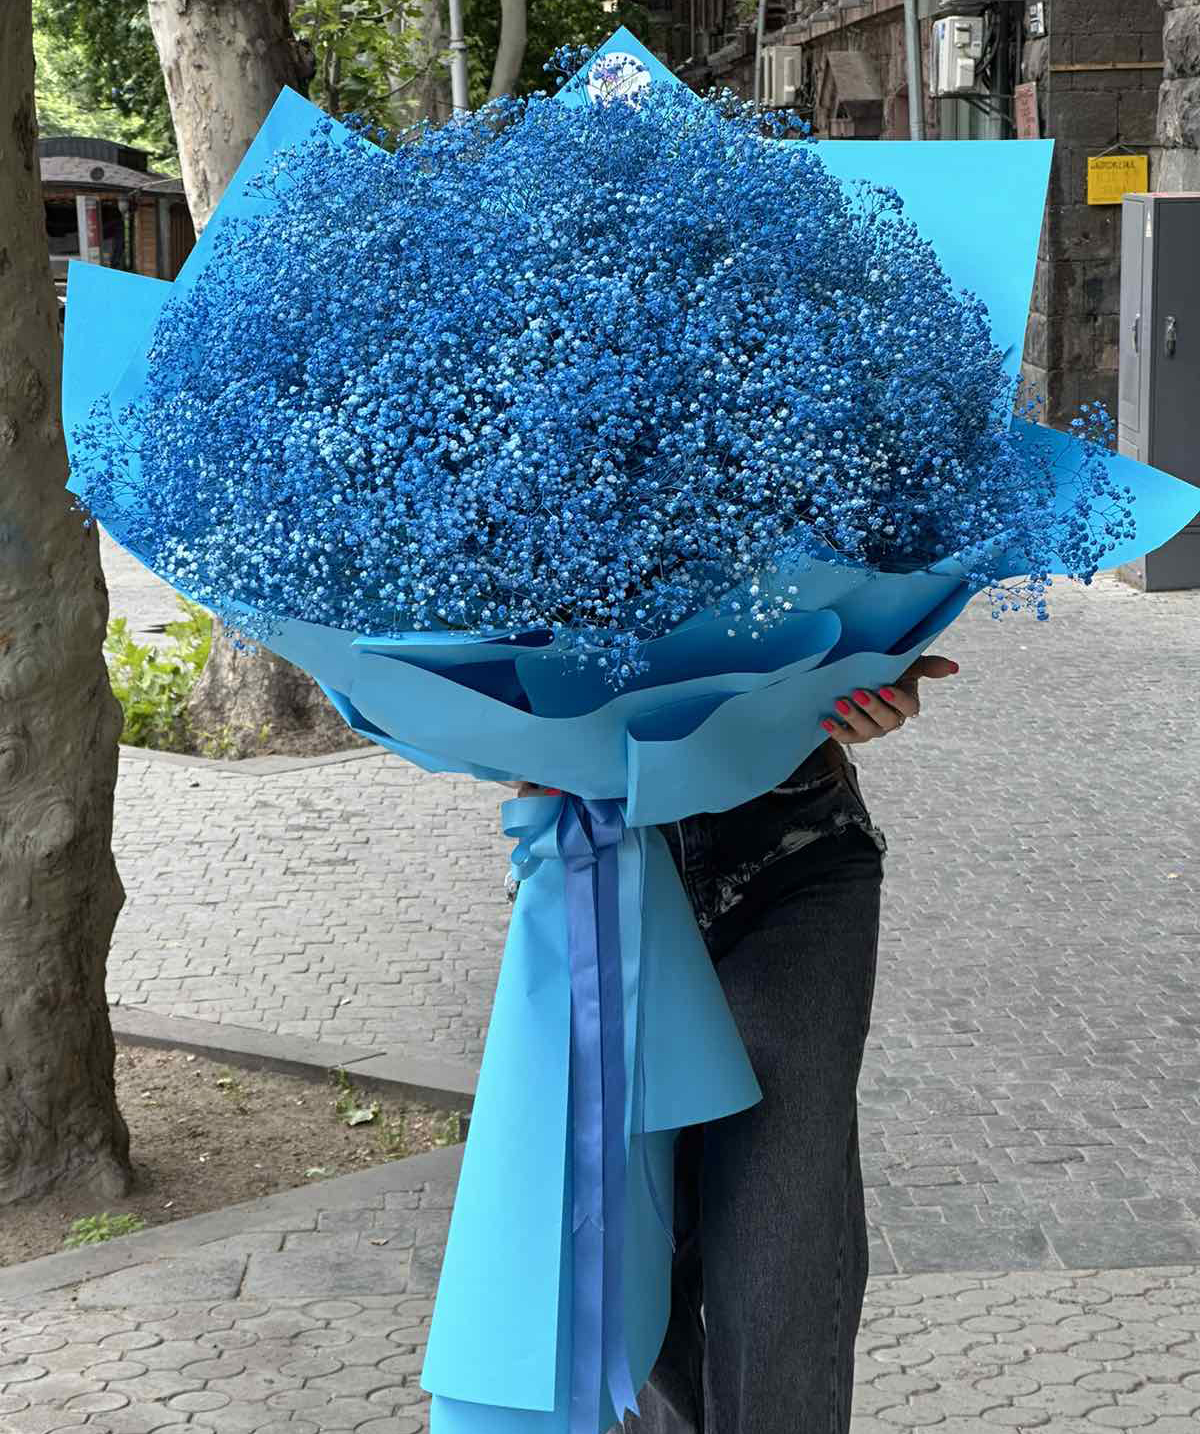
{"x": 617, "y": 76}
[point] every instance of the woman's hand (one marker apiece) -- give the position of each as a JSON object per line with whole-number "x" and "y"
{"x": 862, "y": 715}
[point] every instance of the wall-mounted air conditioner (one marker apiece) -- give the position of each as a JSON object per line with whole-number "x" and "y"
{"x": 955, "y": 48}
{"x": 781, "y": 75}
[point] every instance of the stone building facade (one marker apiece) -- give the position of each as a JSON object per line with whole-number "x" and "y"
{"x": 866, "y": 99}
{"x": 1179, "y": 100}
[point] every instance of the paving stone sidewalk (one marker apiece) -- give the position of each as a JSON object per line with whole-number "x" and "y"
{"x": 307, "y": 1313}
{"x": 356, "y": 902}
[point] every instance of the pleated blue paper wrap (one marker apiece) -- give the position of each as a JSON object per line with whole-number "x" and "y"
{"x": 554, "y": 1294}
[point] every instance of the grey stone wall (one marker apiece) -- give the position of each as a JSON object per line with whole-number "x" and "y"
{"x": 1098, "y": 85}
{"x": 1179, "y": 97}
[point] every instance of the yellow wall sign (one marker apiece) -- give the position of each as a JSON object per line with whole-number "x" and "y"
{"x": 1109, "y": 176}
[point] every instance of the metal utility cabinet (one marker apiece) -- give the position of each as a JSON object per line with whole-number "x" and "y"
{"x": 1158, "y": 408}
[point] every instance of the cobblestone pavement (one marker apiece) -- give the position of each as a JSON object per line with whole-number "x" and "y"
{"x": 359, "y": 902}
{"x": 310, "y": 1317}
{"x": 1072, "y": 1354}
{"x": 1031, "y": 1092}
{"x": 308, "y": 1312}
{"x": 145, "y": 602}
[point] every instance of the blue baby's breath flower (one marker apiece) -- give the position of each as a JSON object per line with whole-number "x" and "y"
{"x": 580, "y": 369}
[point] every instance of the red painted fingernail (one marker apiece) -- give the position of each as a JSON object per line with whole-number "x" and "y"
{"x": 842, "y": 706}
{"x": 886, "y": 693}
{"x": 953, "y": 666}
{"x": 827, "y": 724}
{"x": 861, "y": 697}
{"x": 554, "y": 791}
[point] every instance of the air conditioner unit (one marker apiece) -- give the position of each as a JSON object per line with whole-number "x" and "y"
{"x": 781, "y": 75}
{"x": 955, "y": 47}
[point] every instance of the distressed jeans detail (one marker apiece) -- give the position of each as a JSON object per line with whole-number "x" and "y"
{"x": 770, "y": 1267}
{"x": 721, "y": 856}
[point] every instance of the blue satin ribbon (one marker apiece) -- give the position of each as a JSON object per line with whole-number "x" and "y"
{"x": 589, "y": 835}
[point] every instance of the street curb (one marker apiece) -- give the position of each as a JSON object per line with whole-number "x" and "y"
{"x": 251, "y": 766}
{"x": 445, "y": 1084}
{"x": 439, "y": 1083}
{"x": 189, "y": 1237}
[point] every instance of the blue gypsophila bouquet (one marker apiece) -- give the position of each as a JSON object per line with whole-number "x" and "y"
{"x": 600, "y": 441}
{"x": 581, "y": 369}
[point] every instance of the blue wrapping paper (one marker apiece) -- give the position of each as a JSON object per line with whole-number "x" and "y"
{"x": 713, "y": 722}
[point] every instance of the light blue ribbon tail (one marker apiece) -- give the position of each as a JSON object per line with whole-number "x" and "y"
{"x": 609, "y": 1032}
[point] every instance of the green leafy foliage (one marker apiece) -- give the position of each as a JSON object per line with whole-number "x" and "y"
{"x": 152, "y": 686}
{"x": 366, "y": 52}
{"x": 98, "y": 69}
{"x": 99, "y": 74}
{"x": 95, "y": 1229}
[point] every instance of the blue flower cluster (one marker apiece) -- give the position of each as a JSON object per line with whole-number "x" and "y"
{"x": 579, "y": 369}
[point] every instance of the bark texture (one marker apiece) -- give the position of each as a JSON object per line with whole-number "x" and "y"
{"x": 428, "y": 98}
{"x": 248, "y": 701}
{"x": 510, "y": 53}
{"x": 224, "y": 63}
{"x": 59, "y": 724}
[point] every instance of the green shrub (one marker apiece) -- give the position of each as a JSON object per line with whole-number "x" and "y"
{"x": 95, "y": 1229}
{"x": 153, "y": 686}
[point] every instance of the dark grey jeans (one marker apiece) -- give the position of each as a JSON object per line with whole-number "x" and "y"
{"x": 771, "y": 1260}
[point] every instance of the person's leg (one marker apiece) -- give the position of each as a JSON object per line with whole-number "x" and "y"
{"x": 783, "y": 1230}
{"x": 746, "y": 872}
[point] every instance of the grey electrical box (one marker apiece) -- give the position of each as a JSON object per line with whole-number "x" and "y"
{"x": 1158, "y": 408}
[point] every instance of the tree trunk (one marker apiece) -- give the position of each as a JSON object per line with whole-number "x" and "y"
{"x": 425, "y": 95}
{"x": 225, "y": 62}
{"x": 429, "y": 97}
{"x": 59, "y": 724}
{"x": 510, "y": 53}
